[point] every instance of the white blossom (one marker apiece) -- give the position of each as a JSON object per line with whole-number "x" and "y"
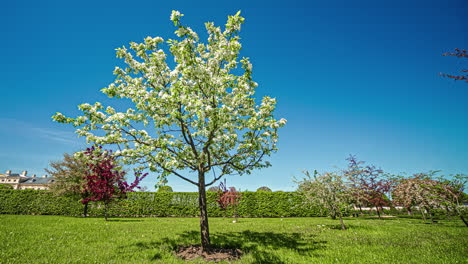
{"x": 198, "y": 113}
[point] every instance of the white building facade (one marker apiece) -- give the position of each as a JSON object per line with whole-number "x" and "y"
{"x": 20, "y": 181}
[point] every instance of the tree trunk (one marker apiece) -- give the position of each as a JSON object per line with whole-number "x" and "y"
{"x": 460, "y": 214}
{"x": 204, "y": 228}
{"x": 343, "y": 227}
{"x": 235, "y": 213}
{"x": 85, "y": 210}
{"x": 333, "y": 214}
{"x": 378, "y": 212}
{"x": 423, "y": 214}
{"x": 430, "y": 214}
{"x": 105, "y": 211}
{"x": 432, "y": 217}
{"x": 463, "y": 219}
{"x": 447, "y": 212}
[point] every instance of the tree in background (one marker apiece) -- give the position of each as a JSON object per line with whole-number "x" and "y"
{"x": 165, "y": 188}
{"x": 449, "y": 192}
{"x": 459, "y": 53}
{"x": 354, "y": 175}
{"x": 105, "y": 180}
{"x": 263, "y": 189}
{"x": 214, "y": 189}
{"x": 201, "y": 114}
{"x": 69, "y": 178}
{"x": 404, "y": 193}
{"x": 454, "y": 195}
{"x": 228, "y": 198}
{"x": 368, "y": 184}
{"x": 420, "y": 190}
{"x": 328, "y": 190}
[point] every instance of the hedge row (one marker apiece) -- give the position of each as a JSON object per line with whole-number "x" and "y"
{"x": 253, "y": 204}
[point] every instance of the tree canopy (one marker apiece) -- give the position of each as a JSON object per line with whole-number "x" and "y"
{"x": 165, "y": 188}
{"x": 199, "y": 115}
{"x": 69, "y": 176}
{"x": 368, "y": 184}
{"x": 263, "y": 189}
{"x": 329, "y": 190}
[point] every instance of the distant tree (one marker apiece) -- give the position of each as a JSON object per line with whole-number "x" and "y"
{"x": 69, "y": 178}
{"x": 165, "y": 188}
{"x": 460, "y": 53}
{"x": 228, "y": 198}
{"x": 198, "y": 104}
{"x": 213, "y": 189}
{"x": 105, "y": 180}
{"x": 354, "y": 174}
{"x": 450, "y": 193}
{"x": 428, "y": 199}
{"x": 420, "y": 190}
{"x": 263, "y": 189}
{"x": 404, "y": 193}
{"x": 328, "y": 190}
{"x": 368, "y": 184}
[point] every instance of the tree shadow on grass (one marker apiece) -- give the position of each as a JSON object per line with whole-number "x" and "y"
{"x": 123, "y": 220}
{"x": 109, "y": 219}
{"x": 371, "y": 218}
{"x": 338, "y": 226}
{"x": 260, "y": 245}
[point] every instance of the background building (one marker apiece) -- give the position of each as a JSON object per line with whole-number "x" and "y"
{"x": 22, "y": 181}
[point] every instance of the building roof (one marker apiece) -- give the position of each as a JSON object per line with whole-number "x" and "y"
{"x": 23, "y": 179}
{"x": 38, "y": 181}
{"x": 11, "y": 175}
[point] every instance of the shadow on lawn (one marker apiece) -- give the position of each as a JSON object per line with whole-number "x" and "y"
{"x": 109, "y": 219}
{"x": 260, "y": 245}
{"x": 123, "y": 220}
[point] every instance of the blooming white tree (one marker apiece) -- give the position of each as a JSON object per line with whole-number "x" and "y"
{"x": 429, "y": 192}
{"x": 420, "y": 190}
{"x": 199, "y": 116}
{"x": 328, "y": 190}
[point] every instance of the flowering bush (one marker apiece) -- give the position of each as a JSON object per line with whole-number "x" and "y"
{"x": 228, "y": 197}
{"x": 105, "y": 179}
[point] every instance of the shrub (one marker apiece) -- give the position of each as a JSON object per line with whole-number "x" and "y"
{"x": 263, "y": 189}
{"x": 165, "y": 188}
{"x": 214, "y": 189}
{"x": 253, "y": 204}
{"x": 6, "y": 186}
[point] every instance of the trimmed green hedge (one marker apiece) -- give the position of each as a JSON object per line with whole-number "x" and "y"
{"x": 253, "y": 204}
{"x": 37, "y": 202}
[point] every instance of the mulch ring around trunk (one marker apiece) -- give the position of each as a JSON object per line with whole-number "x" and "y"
{"x": 213, "y": 254}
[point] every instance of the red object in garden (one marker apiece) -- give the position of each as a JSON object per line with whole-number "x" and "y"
{"x": 228, "y": 197}
{"x": 105, "y": 182}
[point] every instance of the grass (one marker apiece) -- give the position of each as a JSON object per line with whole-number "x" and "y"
{"x": 60, "y": 239}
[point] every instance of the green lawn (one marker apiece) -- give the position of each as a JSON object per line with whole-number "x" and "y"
{"x": 60, "y": 239}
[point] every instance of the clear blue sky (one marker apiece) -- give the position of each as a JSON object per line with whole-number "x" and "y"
{"x": 351, "y": 77}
